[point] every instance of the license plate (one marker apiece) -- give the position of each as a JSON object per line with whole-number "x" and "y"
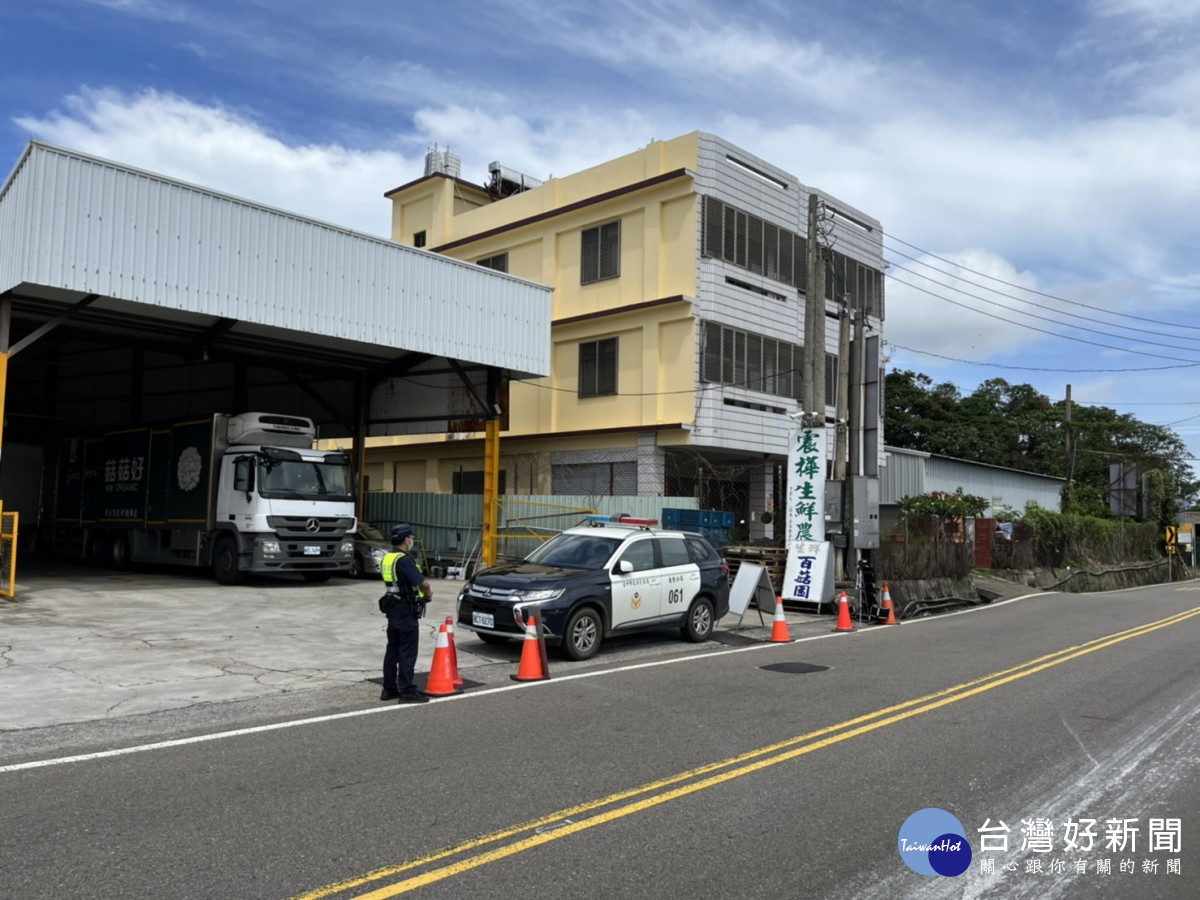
{"x": 310, "y": 550}
{"x": 483, "y": 620}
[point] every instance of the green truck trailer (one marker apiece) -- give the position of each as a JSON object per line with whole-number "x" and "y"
{"x": 238, "y": 493}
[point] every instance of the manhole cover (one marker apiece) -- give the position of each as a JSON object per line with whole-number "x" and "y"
{"x": 794, "y": 668}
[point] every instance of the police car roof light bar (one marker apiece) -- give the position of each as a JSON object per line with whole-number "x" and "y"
{"x": 620, "y": 519}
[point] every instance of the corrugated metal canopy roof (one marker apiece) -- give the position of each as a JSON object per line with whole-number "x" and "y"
{"x": 115, "y": 257}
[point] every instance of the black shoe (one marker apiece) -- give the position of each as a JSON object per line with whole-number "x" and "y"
{"x": 413, "y": 697}
{"x": 389, "y": 694}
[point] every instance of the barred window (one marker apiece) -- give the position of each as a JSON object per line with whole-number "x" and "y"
{"x": 603, "y": 478}
{"x": 753, "y": 361}
{"x": 472, "y": 482}
{"x": 600, "y": 253}
{"x": 754, "y": 244}
{"x": 499, "y": 262}
{"x": 598, "y": 367}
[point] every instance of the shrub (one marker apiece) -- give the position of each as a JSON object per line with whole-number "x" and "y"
{"x": 1064, "y": 539}
{"x": 944, "y": 505}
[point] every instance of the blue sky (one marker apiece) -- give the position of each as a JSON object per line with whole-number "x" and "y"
{"x": 1036, "y": 165}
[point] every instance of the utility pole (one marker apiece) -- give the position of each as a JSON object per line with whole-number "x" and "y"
{"x": 1070, "y": 441}
{"x": 857, "y": 363}
{"x": 815, "y": 307}
{"x": 841, "y": 430}
{"x": 811, "y": 307}
{"x": 842, "y": 411}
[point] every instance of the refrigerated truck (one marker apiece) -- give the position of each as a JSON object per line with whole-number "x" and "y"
{"x": 238, "y": 493}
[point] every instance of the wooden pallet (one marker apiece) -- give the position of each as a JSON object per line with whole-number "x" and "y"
{"x": 773, "y": 559}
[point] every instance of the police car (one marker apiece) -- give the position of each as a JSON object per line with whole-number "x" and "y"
{"x": 599, "y": 580}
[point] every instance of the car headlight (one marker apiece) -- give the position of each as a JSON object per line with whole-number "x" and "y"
{"x": 538, "y": 596}
{"x": 378, "y": 553}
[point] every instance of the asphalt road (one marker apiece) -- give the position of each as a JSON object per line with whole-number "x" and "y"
{"x": 756, "y": 770}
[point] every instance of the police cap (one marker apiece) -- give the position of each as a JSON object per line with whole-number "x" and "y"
{"x": 400, "y": 532}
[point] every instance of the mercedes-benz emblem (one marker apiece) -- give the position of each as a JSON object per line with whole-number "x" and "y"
{"x": 312, "y": 526}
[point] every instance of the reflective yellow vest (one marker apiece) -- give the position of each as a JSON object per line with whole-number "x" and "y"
{"x": 387, "y": 568}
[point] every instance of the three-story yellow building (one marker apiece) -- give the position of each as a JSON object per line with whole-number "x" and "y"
{"x": 679, "y": 276}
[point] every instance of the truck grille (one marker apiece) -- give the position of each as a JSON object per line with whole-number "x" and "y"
{"x": 313, "y": 528}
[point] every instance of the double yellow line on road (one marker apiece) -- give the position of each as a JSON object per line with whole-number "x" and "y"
{"x": 584, "y": 816}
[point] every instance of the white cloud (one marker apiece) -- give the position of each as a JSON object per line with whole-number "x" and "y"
{"x": 949, "y": 307}
{"x": 560, "y": 143}
{"x": 1154, "y": 12}
{"x": 224, "y": 150}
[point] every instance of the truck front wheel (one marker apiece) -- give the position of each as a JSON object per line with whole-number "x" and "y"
{"x": 225, "y": 561}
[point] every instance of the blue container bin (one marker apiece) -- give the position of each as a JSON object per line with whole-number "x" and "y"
{"x": 713, "y": 524}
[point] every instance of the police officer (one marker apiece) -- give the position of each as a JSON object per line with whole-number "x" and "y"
{"x": 407, "y": 593}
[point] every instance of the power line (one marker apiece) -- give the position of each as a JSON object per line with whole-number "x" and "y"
{"x": 1032, "y": 327}
{"x": 972, "y": 362}
{"x": 1157, "y": 334}
{"x": 1040, "y": 293}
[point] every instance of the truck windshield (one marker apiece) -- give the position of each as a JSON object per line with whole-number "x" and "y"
{"x": 298, "y": 479}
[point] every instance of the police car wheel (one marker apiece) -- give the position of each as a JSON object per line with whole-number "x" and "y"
{"x": 698, "y": 626}
{"x": 581, "y": 638}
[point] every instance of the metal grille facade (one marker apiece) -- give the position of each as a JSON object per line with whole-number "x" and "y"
{"x": 758, "y": 246}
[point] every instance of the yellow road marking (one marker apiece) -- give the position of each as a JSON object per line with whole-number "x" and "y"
{"x": 783, "y": 751}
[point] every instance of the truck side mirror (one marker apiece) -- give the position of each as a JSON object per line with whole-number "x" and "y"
{"x": 243, "y": 475}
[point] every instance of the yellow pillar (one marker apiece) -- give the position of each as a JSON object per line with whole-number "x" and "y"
{"x": 491, "y": 490}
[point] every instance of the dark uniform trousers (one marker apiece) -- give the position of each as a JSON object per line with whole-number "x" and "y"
{"x": 400, "y": 658}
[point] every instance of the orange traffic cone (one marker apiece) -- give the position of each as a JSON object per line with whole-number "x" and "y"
{"x": 458, "y": 682}
{"x": 779, "y": 630}
{"x": 531, "y": 668}
{"x": 887, "y": 605}
{"x": 844, "y": 623}
{"x": 441, "y": 677}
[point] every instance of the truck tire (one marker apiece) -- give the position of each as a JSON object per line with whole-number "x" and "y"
{"x": 119, "y": 551}
{"x": 225, "y": 561}
{"x": 97, "y": 549}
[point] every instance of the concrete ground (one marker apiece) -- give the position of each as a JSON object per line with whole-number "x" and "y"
{"x": 84, "y": 645}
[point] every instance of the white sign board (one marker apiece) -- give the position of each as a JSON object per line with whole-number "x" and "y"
{"x": 752, "y": 582}
{"x": 808, "y": 576}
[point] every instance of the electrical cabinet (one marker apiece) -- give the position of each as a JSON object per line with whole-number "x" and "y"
{"x": 866, "y": 512}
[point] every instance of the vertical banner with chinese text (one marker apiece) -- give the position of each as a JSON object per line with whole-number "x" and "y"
{"x": 808, "y": 576}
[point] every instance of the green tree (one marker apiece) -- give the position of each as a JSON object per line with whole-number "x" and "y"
{"x": 1160, "y": 498}
{"x": 919, "y": 415}
{"x": 1015, "y": 426}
